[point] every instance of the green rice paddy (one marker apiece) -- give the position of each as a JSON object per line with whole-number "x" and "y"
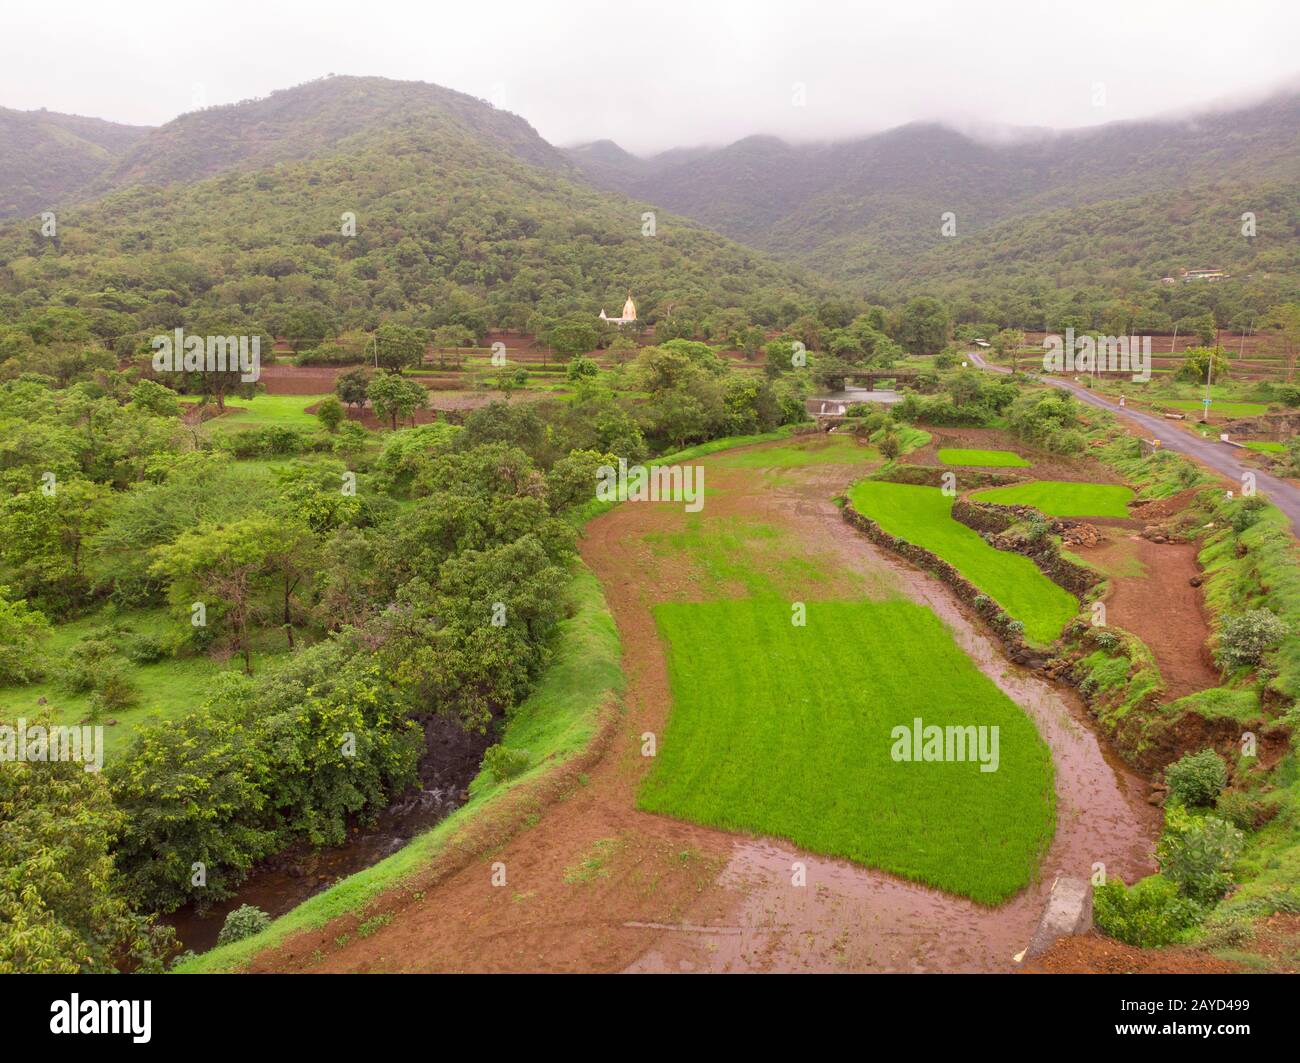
{"x": 789, "y": 731}
{"x": 996, "y": 459}
{"x": 1057, "y": 498}
{"x": 923, "y": 516}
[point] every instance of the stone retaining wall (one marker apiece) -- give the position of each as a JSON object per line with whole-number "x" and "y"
{"x": 991, "y": 520}
{"x": 932, "y": 476}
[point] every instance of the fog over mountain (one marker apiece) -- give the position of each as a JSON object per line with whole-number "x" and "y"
{"x": 658, "y": 75}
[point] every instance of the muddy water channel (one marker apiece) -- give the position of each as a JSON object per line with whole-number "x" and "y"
{"x": 451, "y": 760}
{"x": 852, "y": 918}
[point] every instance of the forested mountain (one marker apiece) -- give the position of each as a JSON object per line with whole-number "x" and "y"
{"x": 869, "y": 211}
{"x": 46, "y": 157}
{"x": 463, "y": 215}
{"x": 331, "y": 116}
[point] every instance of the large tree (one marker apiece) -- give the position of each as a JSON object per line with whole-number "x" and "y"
{"x": 399, "y": 346}
{"x": 1008, "y": 342}
{"x": 923, "y": 326}
{"x": 236, "y": 571}
{"x": 393, "y": 396}
{"x": 63, "y": 906}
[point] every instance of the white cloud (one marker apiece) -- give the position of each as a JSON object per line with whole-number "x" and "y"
{"x": 652, "y": 75}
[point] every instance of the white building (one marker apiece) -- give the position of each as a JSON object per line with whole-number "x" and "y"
{"x": 629, "y": 313}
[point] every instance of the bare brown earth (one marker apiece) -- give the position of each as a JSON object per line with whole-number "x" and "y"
{"x": 1151, "y": 595}
{"x": 595, "y": 885}
{"x": 1043, "y": 465}
{"x": 1277, "y": 940}
{"x": 1095, "y": 954}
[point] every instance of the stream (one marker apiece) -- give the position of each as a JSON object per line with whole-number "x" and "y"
{"x": 451, "y": 760}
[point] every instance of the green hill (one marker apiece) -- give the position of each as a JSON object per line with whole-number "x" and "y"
{"x": 1116, "y": 206}
{"x": 463, "y": 215}
{"x": 46, "y": 158}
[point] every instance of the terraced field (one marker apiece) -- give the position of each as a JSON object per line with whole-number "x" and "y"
{"x": 923, "y": 516}
{"x": 1057, "y": 498}
{"x": 994, "y": 459}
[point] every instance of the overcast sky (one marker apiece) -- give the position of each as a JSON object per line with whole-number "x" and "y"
{"x": 654, "y": 75}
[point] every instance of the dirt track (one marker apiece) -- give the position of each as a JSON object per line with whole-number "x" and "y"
{"x": 597, "y": 885}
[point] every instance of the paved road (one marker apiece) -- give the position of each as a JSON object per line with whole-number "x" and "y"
{"x": 1218, "y": 456}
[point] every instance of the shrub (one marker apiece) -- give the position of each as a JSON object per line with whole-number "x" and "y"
{"x": 1246, "y": 637}
{"x": 114, "y": 690}
{"x": 329, "y": 353}
{"x": 264, "y": 441}
{"x": 243, "y": 922}
{"x": 1197, "y": 854}
{"x": 1066, "y": 441}
{"x": 23, "y": 632}
{"x": 1242, "y": 810}
{"x": 143, "y": 649}
{"x": 1148, "y": 914}
{"x": 330, "y": 413}
{"x": 503, "y": 763}
{"x": 85, "y": 662}
{"x": 350, "y": 439}
{"x": 1247, "y": 513}
{"x": 1107, "y": 640}
{"x": 1289, "y": 395}
{"x": 581, "y": 368}
{"x": 1196, "y": 778}
{"x": 890, "y": 446}
{"x": 281, "y": 439}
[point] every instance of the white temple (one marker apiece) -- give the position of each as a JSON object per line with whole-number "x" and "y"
{"x": 629, "y": 313}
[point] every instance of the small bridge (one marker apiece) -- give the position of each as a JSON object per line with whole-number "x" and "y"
{"x": 869, "y": 378}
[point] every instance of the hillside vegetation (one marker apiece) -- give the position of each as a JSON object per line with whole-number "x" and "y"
{"x": 1118, "y": 206}
{"x": 462, "y": 215}
{"x": 46, "y": 157}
